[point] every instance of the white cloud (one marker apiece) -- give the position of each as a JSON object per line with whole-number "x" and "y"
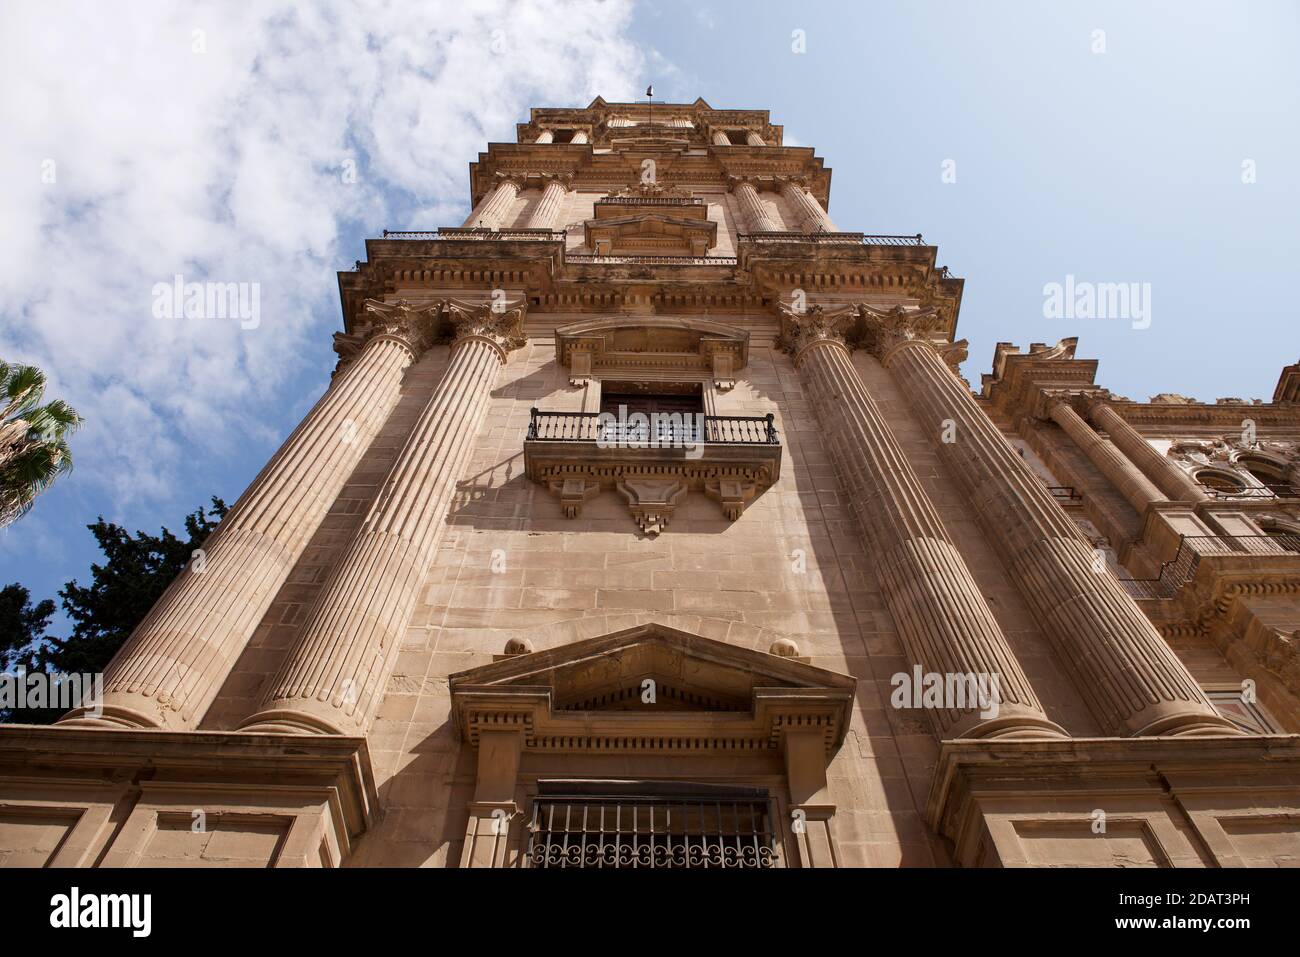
{"x": 227, "y": 165}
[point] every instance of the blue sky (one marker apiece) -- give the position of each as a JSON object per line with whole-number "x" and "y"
{"x": 1117, "y": 166}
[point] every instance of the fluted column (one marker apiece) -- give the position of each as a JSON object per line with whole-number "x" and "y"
{"x": 494, "y": 208}
{"x": 174, "y": 663}
{"x": 545, "y": 136}
{"x": 720, "y": 138}
{"x": 756, "y": 218}
{"x": 753, "y": 139}
{"x": 1167, "y": 476}
{"x": 942, "y": 618}
{"x": 579, "y": 137}
{"x": 1122, "y": 473}
{"x": 334, "y": 675}
{"x": 550, "y": 206}
{"x": 813, "y": 217}
{"x": 1132, "y": 681}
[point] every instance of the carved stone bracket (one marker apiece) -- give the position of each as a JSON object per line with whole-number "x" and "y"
{"x": 573, "y": 492}
{"x": 652, "y": 499}
{"x": 732, "y": 494}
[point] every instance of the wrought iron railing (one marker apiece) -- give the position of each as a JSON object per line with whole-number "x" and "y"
{"x": 657, "y": 429}
{"x": 650, "y": 201}
{"x": 477, "y": 232}
{"x": 1265, "y": 491}
{"x": 1065, "y": 493}
{"x": 827, "y": 238}
{"x": 1181, "y": 569}
{"x": 627, "y": 832}
{"x": 653, "y": 260}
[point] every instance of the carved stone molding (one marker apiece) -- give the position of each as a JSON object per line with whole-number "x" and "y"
{"x": 415, "y": 327}
{"x": 802, "y": 328}
{"x": 651, "y": 499}
{"x": 498, "y": 323}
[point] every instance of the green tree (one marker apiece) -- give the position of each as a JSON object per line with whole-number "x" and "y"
{"x": 33, "y": 439}
{"x": 21, "y": 624}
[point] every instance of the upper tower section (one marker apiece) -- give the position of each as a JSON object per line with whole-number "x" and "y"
{"x": 652, "y": 209}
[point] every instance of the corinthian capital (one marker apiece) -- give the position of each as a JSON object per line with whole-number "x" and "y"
{"x": 413, "y": 326}
{"x": 497, "y": 322}
{"x": 884, "y": 329}
{"x": 801, "y": 328}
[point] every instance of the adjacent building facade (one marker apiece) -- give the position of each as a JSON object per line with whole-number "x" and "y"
{"x": 647, "y": 522}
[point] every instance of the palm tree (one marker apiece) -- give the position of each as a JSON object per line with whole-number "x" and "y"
{"x": 33, "y": 439}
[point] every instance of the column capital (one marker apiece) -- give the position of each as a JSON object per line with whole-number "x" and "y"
{"x": 792, "y": 180}
{"x": 412, "y": 326}
{"x": 1081, "y": 401}
{"x": 815, "y": 325}
{"x": 547, "y": 177}
{"x": 498, "y": 323}
{"x": 515, "y": 178}
{"x": 747, "y": 179}
{"x": 887, "y": 330}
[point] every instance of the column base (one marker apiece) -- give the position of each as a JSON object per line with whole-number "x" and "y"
{"x": 288, "y": 721}
{"x": 110, "y": 716}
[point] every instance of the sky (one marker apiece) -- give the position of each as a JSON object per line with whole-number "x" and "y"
{"x": 261, "y": 143}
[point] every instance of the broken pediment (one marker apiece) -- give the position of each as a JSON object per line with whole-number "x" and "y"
{"x": 651, "y": 687}
{"x": 621, "y": 342}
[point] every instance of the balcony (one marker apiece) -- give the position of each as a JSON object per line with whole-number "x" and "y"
{"x": 481, "y": 233}
{"x": 652, "y": 461}
{"x": 831, "y": 239}
{"x": 1176, "y": 573}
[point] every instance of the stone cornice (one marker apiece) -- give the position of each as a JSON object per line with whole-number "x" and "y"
{"x": 214, "y": 760}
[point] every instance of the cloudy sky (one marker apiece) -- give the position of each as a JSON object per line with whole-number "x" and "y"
{"x": 262, "y": 143}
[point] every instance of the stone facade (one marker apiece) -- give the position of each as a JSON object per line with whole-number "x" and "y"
{"x": 643, "y": 515}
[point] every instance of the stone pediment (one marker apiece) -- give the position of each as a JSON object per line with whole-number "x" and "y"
{"x": 651, "y": 688}
{"x": 683, "y": 343}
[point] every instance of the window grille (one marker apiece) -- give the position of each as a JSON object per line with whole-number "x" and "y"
{"x": 622, "y": 826}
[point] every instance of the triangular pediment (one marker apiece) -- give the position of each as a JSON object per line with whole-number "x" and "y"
{"x": 651, "y": 675}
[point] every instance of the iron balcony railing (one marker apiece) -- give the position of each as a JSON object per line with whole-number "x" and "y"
{"x": 1181, "y": 569}
{"x": 827, "y": 238}
{"x": 652, "y": 260}
{"x": 650, "y": 201}
{"x": 647, "y": 832}
{"x": 447, "y": 233}
{"x": 657, "y": 429}
{"x": 1065, "y": 493}
{"x": 1265, "y": 491}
